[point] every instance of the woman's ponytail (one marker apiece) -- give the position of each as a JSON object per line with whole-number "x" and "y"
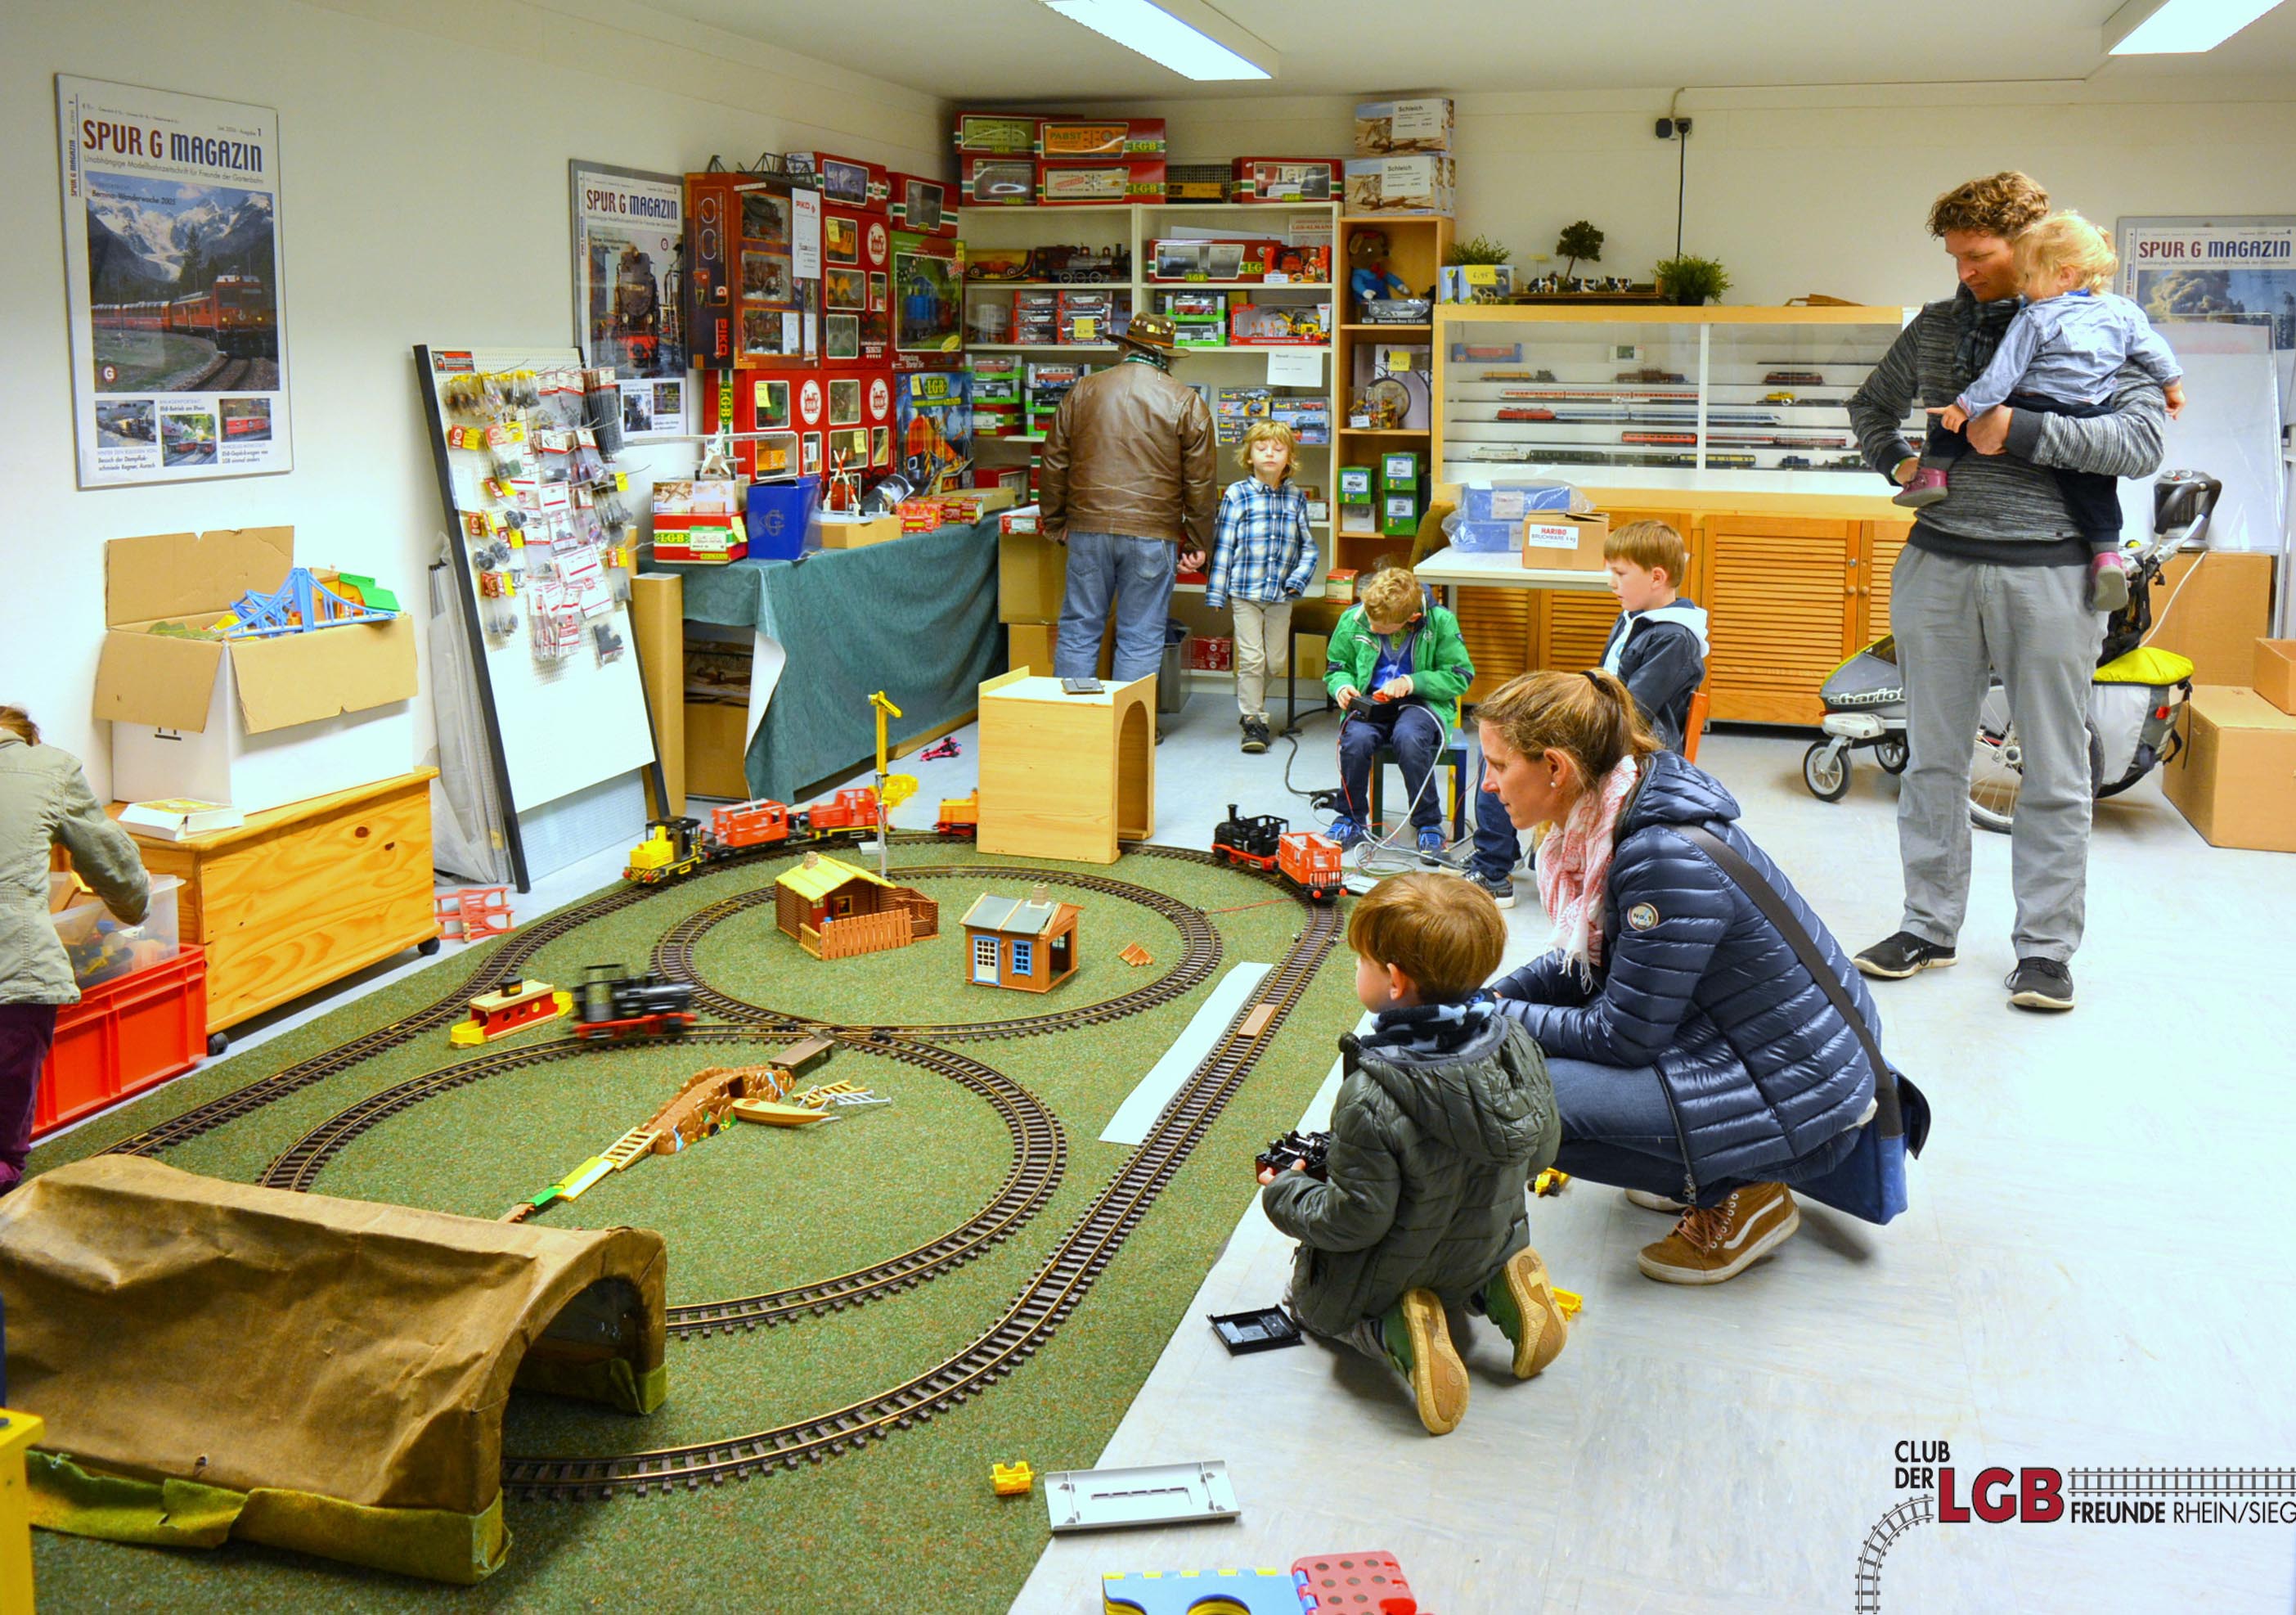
{"x": 18, "y": 723}
{"x": 1590, "y": 717}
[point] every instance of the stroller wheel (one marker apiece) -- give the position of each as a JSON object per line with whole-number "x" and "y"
{"x": 1891, "y": 755}
{"x": 1997, "y": 766}
{"x": 1825, "y": 770}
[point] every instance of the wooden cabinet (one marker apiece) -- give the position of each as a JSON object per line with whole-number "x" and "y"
{"x": 1783, "y": 606}
{"x": 1884, "y": 541}
{"x": 302, "y": 895}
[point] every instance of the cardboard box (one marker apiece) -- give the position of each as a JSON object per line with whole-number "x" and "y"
{"x": 1032, "y": 575}
{"x": 1424, "y": 123}
{"x": 2235, "y": 777}
{"x": 255, "y": 723}
{"x": 845, "y": 533}
{"x": 1402, "y": 185}
{"x": 1285, "y": 179}
{"x": 2275, "y": 672}
{"x": 1563, "y": 542}
{"x": 1076, "y": 138}
{"x": 2213, "y": 605}
{"x": 717, "y": 741}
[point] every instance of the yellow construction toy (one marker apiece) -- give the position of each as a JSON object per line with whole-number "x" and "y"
{"x": 1569, "y": 1300}
{"x": 17, "y": 1432}
{"x": 1550, "y": 1181}
{"x": 1012, "y": 1480}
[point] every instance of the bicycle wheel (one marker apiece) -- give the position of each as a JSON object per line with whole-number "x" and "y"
{"x": 1997, "y": 765}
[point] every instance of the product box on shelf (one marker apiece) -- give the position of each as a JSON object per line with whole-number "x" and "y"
{"x": 857, "y": 298}
{"x": 747, "y": 307}
{"x": 1048, "y": 384}
{"x": 1011, "y": 480}
{"x": 846, "y": 182}
{"x": 1037, "y": 317}
{"x": 1171, "y": 261}
{"x": 1475, "y": 284}
{"x": 997, "y": 134}
{"x": 1339, "y": 583}
{"x": 998, "y": 181}
{"x": 927, "y": 287}
{"x": 1063, "y": 138}
{"x": 2234, "y": 778}
{"x": 1195, "y": 182}
{"x": 996, "y": 379}
{"x": 852, "y": 412}
{"x": 1402, "y": 185}
{"x": 1285, "y": 179}
{"x": 1251, "y": 324}
{"x": 1309, "y": 419}
{"x": 1086, "y": 317}
{"x": 1565, "y": 541}
{"x": 1398, "y": 471}
{"x": 700, "y": 521}
{"x": 123, "y": 1037}
{"x": 921, "y": 205}
{"x": 2275, "y": 672}
{"x": 1422, "y": 124}
{"x": 933, "y": 429}
{"x": 1199, "y": 318}
{"x": 754, "y": 404}
{"x": 253, "y": 723}
{"x": 1098, "y": 184}
{"x": 1236, "y": 408}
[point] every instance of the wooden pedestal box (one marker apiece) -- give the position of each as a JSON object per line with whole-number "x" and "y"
{"x": 1066, "y": 776}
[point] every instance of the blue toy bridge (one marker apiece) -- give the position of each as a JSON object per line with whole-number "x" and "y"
{"x": 302, "y": 604}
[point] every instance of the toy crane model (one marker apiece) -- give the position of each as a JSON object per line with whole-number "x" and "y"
{"x": 893, "y": 789}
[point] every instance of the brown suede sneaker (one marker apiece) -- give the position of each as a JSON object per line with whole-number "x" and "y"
{"x": 1418, "y": 1341}
{"x": 1713, "y": 1243}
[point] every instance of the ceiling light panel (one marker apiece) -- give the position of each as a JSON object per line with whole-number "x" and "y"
{"x": 1157, "y": 34}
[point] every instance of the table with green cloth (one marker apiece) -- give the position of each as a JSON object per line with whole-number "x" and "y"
{"x": 915, "y": 616}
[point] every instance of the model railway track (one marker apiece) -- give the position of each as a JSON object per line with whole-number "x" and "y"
{"x": 1039, "y": 1160}
{"x": 1051, "y": 1294}
{"x": 503, "y": 966}
{"x": 1199, "y": 955}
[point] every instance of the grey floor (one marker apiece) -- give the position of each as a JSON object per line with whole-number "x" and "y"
{"x": 2095, "y": 1272}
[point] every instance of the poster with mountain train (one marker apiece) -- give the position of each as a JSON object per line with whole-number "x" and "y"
{"x": 173, "y": 280}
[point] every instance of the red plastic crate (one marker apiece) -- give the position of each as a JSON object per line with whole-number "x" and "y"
{"x": 122, "y": 1037}
{"x": 1212, "y": 654}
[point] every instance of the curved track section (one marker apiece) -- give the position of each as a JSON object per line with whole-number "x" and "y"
{"x": 1039, "y": 1160}
{"x": 1053, "y": 1292}
{"x": 1200, "y": 956}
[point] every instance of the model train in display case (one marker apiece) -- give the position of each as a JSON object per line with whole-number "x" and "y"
{"x": 1302, "y": 858}
{"x": 675, "y": 847}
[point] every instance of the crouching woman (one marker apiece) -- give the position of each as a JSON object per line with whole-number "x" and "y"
{"x": 1697, "y": 1062}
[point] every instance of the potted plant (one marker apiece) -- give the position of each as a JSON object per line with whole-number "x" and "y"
{"x": 1578, "y": 240}
{"x": 1477, "y": 250}
{"x": 1691, "y": 280}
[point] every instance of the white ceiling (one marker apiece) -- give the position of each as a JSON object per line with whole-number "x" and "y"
{"x": 1003, "y": 51}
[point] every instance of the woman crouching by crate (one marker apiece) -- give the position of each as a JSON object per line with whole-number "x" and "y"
{"x": 45, "y": 799}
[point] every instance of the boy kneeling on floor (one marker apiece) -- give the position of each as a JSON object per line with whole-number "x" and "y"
{"x": 1443, "y": 1115}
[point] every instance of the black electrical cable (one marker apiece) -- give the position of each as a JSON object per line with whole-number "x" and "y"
{"x": 1681, "y": 180}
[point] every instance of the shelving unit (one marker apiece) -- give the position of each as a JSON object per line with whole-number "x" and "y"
{"x": 1415, "y": 248}
{"x": 1135, "y": 227}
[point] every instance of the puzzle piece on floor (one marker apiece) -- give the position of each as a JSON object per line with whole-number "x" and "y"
{"x": 1353, "y": 1584}
{"x": 1569, "y": 1300}
{"x": 1202, "y": 1592}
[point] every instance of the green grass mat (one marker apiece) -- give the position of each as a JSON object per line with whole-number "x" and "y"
{"x": 908, "y": 1523}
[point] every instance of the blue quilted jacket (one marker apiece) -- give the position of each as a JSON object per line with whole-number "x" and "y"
{"x": 1765, "y": 1078}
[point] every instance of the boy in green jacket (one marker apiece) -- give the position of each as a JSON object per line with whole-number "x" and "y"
{"x": 1398, "y": 668}
{"x": 1443, "y": 1114}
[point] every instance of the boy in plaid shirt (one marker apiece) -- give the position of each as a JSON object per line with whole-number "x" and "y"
{"x": 1264, "y": 557}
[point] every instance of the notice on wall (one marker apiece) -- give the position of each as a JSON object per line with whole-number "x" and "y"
{"x": 629, "y": 234}
{"x": 172, "y": 281}
{"x": 805, "y": 234}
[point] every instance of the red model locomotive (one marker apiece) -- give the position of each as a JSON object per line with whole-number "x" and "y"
{"x": 1304, "y": 860}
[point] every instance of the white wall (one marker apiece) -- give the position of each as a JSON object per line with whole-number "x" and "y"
{"x": 423, "y": 151}
{"x": 1805, "y": 190}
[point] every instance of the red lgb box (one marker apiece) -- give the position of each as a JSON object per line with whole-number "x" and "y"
{"x": 846, "y": 182}
{"x": 1285, "y": 179}
{"x": 998, "y": 181}
{"x": 921, "y": 205}
{"x": 997, "y": 134}
{"x": 1061, "y": 138}
{"x": 1116, "y": 179}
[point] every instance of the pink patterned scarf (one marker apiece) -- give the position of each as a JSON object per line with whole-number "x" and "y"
{"x": 1574, "y": 866}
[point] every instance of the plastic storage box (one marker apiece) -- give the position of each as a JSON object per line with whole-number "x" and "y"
{"x": 101, "y": 949}
{"x": 1511, "y": 502}
{"x": 124, "y": 1037}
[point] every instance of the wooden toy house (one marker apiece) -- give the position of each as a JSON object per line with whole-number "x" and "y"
{"x": 1031, "y": 944}
{"x": 834, "y": 909}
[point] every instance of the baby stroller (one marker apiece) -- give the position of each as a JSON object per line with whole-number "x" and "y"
{"x": 2133, "y": 698}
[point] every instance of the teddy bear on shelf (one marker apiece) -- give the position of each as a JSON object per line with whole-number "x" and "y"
{"x": 1368, "y": 276}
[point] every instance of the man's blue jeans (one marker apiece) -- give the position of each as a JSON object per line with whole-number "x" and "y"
{"x": 1498, "y": 842}
{"x": 1136, "y": 575}
{"x": 1418, "y": 737}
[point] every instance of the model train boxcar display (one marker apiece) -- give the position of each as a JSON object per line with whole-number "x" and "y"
{"x": 616, "y": 1004}
{"x": 1301, "y": 858}
{"x": 677, "y": 847}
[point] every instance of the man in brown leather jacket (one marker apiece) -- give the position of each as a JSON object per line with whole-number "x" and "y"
{"x": 1129, "y": 468}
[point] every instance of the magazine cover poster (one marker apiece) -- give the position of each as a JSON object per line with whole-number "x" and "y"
{"x": 173, "y": 282}
{"x": 628, "y": 257}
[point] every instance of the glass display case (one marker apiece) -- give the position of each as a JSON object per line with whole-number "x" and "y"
{"x": 1720, "y": 398}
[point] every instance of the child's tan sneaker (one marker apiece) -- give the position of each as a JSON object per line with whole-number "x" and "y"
{"x": 1417, "y": 1339}
{"x": 1712, "y": 1243}
{"x": 1522, "y": 1302}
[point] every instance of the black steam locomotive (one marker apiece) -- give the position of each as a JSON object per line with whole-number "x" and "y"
{"x": 615, "y": 1004}
{"x": 1313, "y": 1149}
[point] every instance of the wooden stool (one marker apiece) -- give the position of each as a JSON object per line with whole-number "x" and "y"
{"x": 1066, "y": 776}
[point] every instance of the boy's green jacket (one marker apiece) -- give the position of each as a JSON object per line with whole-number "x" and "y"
{"x": 1430, "y": 1154}
{"x": 1441, "y": 670}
